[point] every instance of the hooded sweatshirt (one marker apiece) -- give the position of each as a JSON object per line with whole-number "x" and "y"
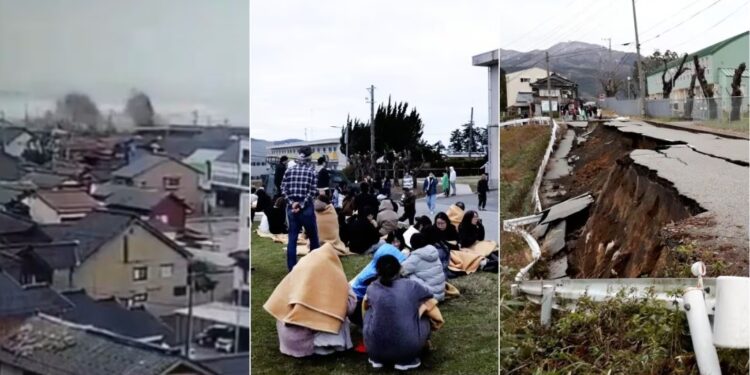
{"x": 387, "y": 217}
{"x": 362, "y": 280}
{"x": 423, "y": 265}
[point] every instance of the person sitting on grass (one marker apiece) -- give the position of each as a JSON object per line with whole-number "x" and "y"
{"x": 277, "y": 217}
{"x": 392, "y": 247}
{"x": 362, "y": 232}
{"x": 423, "y": 265}
{"x": 455, "y": 213}
{"x": 365, "y": 197}
{"x": 394, "y": 332}
{"x": 471, "y": 230}
{"x": 347, "y": 205}
{"x": 308, "y": 322}
{"x": 328, "y": 224}
{"x": 442, "y": 232}
{"x": 387, "y": 217}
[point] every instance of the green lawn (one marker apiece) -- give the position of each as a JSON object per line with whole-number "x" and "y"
{"x": 467, "y": 343}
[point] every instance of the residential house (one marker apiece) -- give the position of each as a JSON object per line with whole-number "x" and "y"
{"x": 229, "y": 174}
{"x": 114, "y": 316}
{"x": 119, "y": 255}
{"x": 523, "y": 106}
{"x": 719, "y": 60}
{"x": 45, "y": 345}
{"x": 18, "y": 302}
{"x": 14, "y": 140}
{"x": 519, "y": 82}
{"x": 58, "y": 206}
{"x": 47, "y": 180}
{"x": 166, "y": 174}
{"x": 52, "y": 263}
{"x": 562, "y": 93}
{"x": 241, "y": 285}
{"x": 16, "y": 229}
{"x": 149, "y": 205}
{"x": 10, "y": 167}
{"x": 233, "y": 364}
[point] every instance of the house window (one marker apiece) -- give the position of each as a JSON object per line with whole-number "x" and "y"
{"x": 245, "y": 156}
{"x": 171, "y": 183}
{"x": 180, "y": 291}
{"x": 245, "y": 179}
{"x": 524, "y": 80}
{"x": 140, "y": 273}
{"x": 125, "y": 249}
{"x": 166, "y": 270}
{"x": 140, "y": 297}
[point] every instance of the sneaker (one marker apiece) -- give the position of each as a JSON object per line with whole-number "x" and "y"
{"x": 408, "y": 366}
{"x": 375, "y": 364}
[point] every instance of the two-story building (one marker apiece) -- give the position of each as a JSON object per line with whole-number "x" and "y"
{"x": 164, "y": 174}
{"x": 561, "y": 93}
{"x": 329, "y": 147}
{"x": 229, "y": 173}
{"x": 519, "y": 82}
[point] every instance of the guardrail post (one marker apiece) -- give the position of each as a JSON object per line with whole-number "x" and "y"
{"x": 700, "y": 332}
{"x": 548, "y": 296}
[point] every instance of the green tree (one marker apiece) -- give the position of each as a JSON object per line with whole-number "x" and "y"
{"x": 468, "y": 139}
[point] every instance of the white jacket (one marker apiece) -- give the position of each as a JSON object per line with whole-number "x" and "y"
{"x": 452, "y": 177}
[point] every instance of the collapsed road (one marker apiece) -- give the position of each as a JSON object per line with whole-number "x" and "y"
{"x": 629, "y": 199}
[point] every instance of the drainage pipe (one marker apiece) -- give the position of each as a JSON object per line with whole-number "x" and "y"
{"x": 700, "y": 332}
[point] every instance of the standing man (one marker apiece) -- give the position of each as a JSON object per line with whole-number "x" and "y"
{"x": 430, "y": 189}
{"x": 279, "y": 175}
{"x": 324, "y": 177}
{"x": 408, "y": 181}
{"x": 482, "y": 189}
{"x": 300, "y": 187}
{"x": 453, "y": 181}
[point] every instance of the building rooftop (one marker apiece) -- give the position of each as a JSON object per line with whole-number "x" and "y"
{"x": 9, "y": 133}
{"x": 10, "y": 223}
{"x": 137, "y": 199}
{"x": 490, "y": 58}
{"x": 68, "y": 200}
{"x": 45, "y": 180}
{"x": 710, "y": 50}
{"x": 46, "y": 345}
{"x": 220, "y": 312}
{"x": 10, "y": 167}
{"x": 305, "y": 143}
{"x": 235, "y": 364}
{"x": 57, "y": 255}
{"x": 231, "y": 154}
{"x": 17, "y": 300}
{"x": 113, "y": 316}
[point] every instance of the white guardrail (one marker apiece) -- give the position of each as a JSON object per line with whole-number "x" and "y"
{"x": 726, "y": 298}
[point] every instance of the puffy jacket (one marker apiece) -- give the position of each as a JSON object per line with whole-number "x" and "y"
{"x": 360, "y": 282}
{"x": 423, "y": 265}
{"x": 430, "y": 188}
{"x": 387, "y": 217}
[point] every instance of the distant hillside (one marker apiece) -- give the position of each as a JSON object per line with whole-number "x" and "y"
{"x": 578, "y": 61}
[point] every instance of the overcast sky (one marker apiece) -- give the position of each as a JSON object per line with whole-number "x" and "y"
{"x": 186, "y": 54}
{"x": 590, "y": 21}
{"x": 311, "y": 62}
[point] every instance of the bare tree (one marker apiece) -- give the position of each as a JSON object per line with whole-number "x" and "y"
{"x": 668, "y": 84}
{"x": 708, "y": 91}
{"x": 690, "y": 97}
{"x": 737, "y": 93}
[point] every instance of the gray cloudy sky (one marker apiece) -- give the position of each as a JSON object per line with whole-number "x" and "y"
{"x": 592, "y": 20}
{"x": 311, "y": 62}
{"x": 186, "y": 54}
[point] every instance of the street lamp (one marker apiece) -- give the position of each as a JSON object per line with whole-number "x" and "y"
{"x": 628, "y": 87}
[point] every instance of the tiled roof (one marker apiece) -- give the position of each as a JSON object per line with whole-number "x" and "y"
{"x": 10, "y": 223}
{"x": 57, "y": 255}
{"x": 135, "y": 198}
{"x": 232, "y": 153}
{"x": 10, "y": 167}
{"x": 111, "y": 315}
{"x": 140, "y": 165}
{"x": 237, "y": 364}
{"x": 17, "y": 300}
{"x": 45, "y": 180}
{"x": 47, "y": 345}
{"x": 68, "y": 200}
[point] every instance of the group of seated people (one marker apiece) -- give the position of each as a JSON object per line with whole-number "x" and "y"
{"x": 393, "y": 299}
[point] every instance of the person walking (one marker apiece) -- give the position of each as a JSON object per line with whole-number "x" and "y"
{"x": 300, "y": 187}
{"x": 409, "y": 200}
{"x": 430, "y": 189}
{"x": 279, "y": 175}
{"x": 408, "y": 181}
{"x": 482, "y": 189}
{"x": 453, "y": 180}
{"x": 445, "y": 182}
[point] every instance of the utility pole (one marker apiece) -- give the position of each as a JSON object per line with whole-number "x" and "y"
{"x": 549, "y": 88}
{"x": 471, "y": 131}
{"x": 189, "y": 333}
{"x": 372, "y": 124}
{"x": 641, "y": 76}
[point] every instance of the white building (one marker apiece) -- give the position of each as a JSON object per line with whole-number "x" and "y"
{"x": 520, "y": 82}
{"x": 330, "y": 147}
{"x": 492, "y": 62}
{"x": 14, "y": 140}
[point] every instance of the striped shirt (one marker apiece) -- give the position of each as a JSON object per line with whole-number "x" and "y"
{"x": 300, "y": 183}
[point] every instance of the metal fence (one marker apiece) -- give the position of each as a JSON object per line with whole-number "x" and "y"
{"x": 716, "y": 112}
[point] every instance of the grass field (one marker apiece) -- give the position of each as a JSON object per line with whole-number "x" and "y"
{"x": 467, "y": 344}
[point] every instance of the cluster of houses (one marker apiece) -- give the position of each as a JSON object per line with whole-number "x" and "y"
{"x": 97, "y": 258}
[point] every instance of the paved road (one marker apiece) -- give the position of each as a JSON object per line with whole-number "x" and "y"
{"x": 490, "y": 218}
{"x": 726, "y": 148}
{"x": 718, "y": 186}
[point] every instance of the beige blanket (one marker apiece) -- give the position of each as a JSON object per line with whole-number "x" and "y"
{"x": 282, "y": 238}
{"x": 314, "y": 294}
{"x": 464, "y": 261}
{"x": 328, "y": 230}
{"x": 455, "y": 215}
{"x": 483, "y": 248}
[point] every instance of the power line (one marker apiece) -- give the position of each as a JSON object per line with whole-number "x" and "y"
{"x": 671, "y": 16}
{"x": 659, "y": 35}
{"x": 734, "y": 12}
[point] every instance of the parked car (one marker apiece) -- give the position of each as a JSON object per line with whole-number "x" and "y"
{"x": 224, "y": 344}
{"x": 209, "y": 336}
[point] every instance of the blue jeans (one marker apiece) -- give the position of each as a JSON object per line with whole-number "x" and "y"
{"x": 306, "y": 219}
{"x": 431, "y": 202}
